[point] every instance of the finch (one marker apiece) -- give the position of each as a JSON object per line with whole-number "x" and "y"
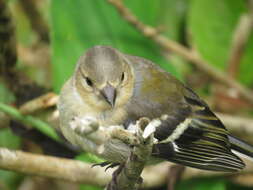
{"x": 118, "y": 89}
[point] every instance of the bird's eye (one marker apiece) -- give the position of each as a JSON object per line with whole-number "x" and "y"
{"x": 122, "y": 76}
{"x": 88, "y": 81}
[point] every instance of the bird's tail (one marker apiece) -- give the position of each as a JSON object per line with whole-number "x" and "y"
{"x": 244, "y": 149}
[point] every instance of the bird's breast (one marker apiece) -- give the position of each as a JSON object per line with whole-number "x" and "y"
{"x": 112, "y": 117}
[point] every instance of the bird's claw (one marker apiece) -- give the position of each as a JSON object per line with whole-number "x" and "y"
{"x": 108, "y": 164}
{"x": 102, "y": 164}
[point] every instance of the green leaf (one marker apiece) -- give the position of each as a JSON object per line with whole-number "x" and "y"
{"x": 8, "y": 139}
{"x": 95, "y": 22}
{"x": 202, "y": 183}
{"x": 30, "y": 120}
{"x": 171, "y": 21}
{"x": 5, "y": 95}
{"x": 90, "y": 187}
{"x": 232, "y": 186}
{"x": 172, "y": 18}
{"x": 10, "y": 180}
{"x": 212, "y": 25}
{"x": 209, "y": 183}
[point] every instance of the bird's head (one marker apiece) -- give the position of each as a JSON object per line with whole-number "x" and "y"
{"x": 104, "y": 78}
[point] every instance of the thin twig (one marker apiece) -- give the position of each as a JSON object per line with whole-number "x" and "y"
{"x": 37, "y": 22}
{"x": 8, "y": 54}
{"x": 238, "y": 125}
{"x": 177, "y": 48}
{"x": 42, "y": 102}
{"x": 29, "y": 120}
{"x": 48, "y": 166}
{"x": 175, "y": 174}
{"x": 240, "y": 39}
{"x": 245, "y": 180}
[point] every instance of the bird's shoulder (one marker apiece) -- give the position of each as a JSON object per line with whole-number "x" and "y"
{"x": 155, "y": 91}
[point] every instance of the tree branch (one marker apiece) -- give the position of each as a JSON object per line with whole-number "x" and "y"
{"x": 80, "y": 172}
{"x": 240, "y": 39}
{"x": 8, "y": 54}
{"x": 48, "y": 166}
{"x": 177, "y": 48}
{"x": 41, "y": 102}
{"x": 241, "y": 126}
{"x": 235, "y": 124}
{"x": 128, "y": 177}
{"x": 29, "y": 120}
{"x": 37, "y": 22}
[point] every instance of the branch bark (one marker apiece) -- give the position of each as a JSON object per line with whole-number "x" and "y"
{"x": 47, "y": 166}
{"x": 128, "y": 177}
{"x": 42, "y": 102}
{"x": 240, "y": 39}
{"x": 29, "y": 120}
{"x": 180, "y": 50}
{"x": 37, "y": 22}
{"x": 8, "y": 54}
{"x": 239, "y": 126}
{"x": 80, "y": 172}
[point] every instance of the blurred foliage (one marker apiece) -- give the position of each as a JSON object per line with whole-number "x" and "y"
{"x": 8, "y": 178}
{"x": 77, "y": 25}
{"x": 209, "y": 183}
{"x": 98, "y": 23}
{"x": 5, "y": 95}
{"x": 8, "y": 140}
{"x": 203, "y": 183}
{"x": 211, "y": 26}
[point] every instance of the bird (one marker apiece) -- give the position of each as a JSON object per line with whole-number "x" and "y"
{"x": 118, "y": 89}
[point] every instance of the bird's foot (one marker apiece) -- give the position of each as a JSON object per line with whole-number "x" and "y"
{"x": 84, "y": 126}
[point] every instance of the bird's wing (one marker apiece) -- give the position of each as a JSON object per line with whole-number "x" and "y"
{"x": 190, "y": 133}
{"x": 199, "y": 140}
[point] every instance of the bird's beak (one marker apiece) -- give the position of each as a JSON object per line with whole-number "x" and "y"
{"x": 109, "y": 93}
